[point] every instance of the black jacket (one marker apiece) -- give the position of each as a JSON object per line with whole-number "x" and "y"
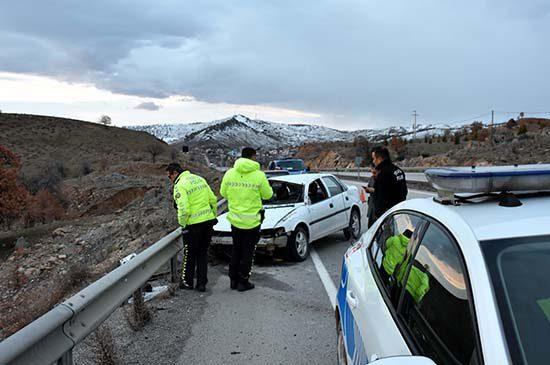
{"x": 390, "y": 187}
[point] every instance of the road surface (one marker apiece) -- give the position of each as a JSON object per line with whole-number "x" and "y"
{"x": 287, "y": 319}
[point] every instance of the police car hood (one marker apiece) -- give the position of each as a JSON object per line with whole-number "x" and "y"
{"x": 273, "y": 215}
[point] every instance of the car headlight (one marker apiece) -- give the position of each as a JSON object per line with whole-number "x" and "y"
{"x": 273, "y": 232}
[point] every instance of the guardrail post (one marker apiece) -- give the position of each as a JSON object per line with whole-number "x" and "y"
{"x": 174, "y": 269}
{"x": 66, "y": 359}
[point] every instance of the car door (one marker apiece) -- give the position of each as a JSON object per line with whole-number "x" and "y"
{"x": 373, "y": 300}
{"x": 340, "y": 213}
{"x": 320, "y": 208}
{"x": 436, "y": 306}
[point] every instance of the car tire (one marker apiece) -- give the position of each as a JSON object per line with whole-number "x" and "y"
{"x": 341, "y": 355}
{"x": 353, "y": 231}
{"x": 298, "y": 245}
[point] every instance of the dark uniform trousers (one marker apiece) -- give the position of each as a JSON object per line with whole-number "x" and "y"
{"x": 242, "y": 255}
{"x": 195, "y": 252}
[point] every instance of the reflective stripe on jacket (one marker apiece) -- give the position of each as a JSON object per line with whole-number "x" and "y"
{"x": 244, "y": 186}
{"x": 196, "y": 203}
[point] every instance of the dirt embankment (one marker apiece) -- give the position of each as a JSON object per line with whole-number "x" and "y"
{"x": 121, "y": 204}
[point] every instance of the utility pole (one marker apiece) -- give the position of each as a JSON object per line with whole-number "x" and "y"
{"x": 491, "y": 128}
{"x": 414, "y": 124}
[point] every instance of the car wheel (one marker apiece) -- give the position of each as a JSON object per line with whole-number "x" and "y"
{"x": 298, "y": 245}
{"x": 354, "y": 228}
{"x": 341, "y": 354}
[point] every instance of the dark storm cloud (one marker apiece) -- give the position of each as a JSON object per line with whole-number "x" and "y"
{"x": 148, "y": 105}
{"x": 360, "y": 59}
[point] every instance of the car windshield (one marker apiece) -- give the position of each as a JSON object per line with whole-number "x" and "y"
{"x": 285, "y": 193}
{"x": 520, "y": 269}
{"x": 291, "y": 164}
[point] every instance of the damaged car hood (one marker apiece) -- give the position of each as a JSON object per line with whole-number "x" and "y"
{"x": 273, "y": 215}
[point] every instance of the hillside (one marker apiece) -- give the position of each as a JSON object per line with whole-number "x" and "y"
{"x": 523, "y": 141}
{"x": 92, "y": 196}
{"x": 41, "y": 141}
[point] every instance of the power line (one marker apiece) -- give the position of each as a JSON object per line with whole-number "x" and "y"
{"x": 469, "y": 119}
{"x": 501, "y": 112}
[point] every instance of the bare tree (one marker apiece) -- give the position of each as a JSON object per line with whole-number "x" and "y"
{"x": 154, "y": 150}
{"x": 105, "y": 120}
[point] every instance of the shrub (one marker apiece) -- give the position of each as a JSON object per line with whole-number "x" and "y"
{"x": 13, "y": 196}
{"x": 139, "y": 315}
{"x": 522, "y": 129}
{"x": 43, "y": 207}
{"x": 104, "y": 346}
{"x": 60, "y": 168}
{"x": 85, "y": 168}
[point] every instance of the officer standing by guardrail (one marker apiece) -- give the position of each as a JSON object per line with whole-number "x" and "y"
{"x": 197, "y": 208}
{"x": 390, "y": 185}
{"x": 244, "y": 186}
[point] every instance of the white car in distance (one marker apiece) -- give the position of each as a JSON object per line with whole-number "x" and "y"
{"x": 304, "y": 208}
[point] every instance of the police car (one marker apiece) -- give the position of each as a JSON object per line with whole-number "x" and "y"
{"x": 303, "y": 208}
{"x": 463, "y": 278}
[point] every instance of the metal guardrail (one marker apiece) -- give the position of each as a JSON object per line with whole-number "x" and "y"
{"x": 51, "y": 338}
{"x": 359, "y": 174}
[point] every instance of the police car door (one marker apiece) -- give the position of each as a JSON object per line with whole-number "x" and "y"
{"x": 373, "y": 298}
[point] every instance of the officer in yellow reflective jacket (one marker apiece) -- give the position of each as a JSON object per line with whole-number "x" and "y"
{"x": 197, "y": 208}
{"x": 244, "y": 186}
{"x": 396, "y": 258}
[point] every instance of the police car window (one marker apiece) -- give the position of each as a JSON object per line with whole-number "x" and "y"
{"x": 317, "y": 192}
{"x": 435, "y": 305}
{"x": 333, "y": 187}
{"x": 519, "y": 273}
{"x": 390, "y": 248}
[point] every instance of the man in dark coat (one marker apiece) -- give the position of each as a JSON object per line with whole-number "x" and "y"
{"x": 390, "y": 185}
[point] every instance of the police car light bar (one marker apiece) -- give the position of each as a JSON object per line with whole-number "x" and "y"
{"x": 488, "y": 179}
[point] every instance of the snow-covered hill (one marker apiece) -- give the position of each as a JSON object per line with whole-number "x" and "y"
{"x": 239, "y": 130}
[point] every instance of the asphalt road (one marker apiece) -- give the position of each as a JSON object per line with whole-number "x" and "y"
{"x": 287, "y": 319}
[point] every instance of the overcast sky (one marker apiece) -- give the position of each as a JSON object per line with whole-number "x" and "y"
{"x": 344, "y": 64}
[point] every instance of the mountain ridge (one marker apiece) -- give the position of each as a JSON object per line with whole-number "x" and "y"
{"x": 240, "y": 130}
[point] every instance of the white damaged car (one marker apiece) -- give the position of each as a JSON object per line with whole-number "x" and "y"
{"x": 304, "y": 208}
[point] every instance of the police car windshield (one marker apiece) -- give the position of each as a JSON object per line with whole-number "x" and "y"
{"x": 291, "y": 164}
{"x": 520, "y": 269}
{"x": 285, "y": 193}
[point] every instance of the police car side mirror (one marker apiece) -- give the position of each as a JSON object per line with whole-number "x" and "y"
{"x": 404, "y": 360}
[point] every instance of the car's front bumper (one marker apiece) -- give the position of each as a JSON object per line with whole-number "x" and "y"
{"x": 222, "y": 238}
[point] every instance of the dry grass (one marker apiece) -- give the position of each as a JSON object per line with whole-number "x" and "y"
{"x": 138, "y": 314}
{"x": 103, "y": 346}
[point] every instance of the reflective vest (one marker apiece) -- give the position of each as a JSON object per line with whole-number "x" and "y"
{"x": 244, "y": 186}
{"x": 418, "y": 282}
{"x": 195, "y": 201}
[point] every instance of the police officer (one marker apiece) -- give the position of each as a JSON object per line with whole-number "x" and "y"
{"x": 390, "y": 186}
{"x": 197, "y": 207}
{"x": 244, "y": 186}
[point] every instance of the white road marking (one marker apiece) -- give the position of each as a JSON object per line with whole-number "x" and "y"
{"x": 330, "y": 288}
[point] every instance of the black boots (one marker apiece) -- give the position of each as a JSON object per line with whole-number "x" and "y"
{"x": 234, "y": 284}
{"x": 185, "y": 286}
{"x": 200, "y": 288}
{"x": 245, "y": 285}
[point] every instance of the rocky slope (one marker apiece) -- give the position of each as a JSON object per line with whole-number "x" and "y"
{"x": 110, "y": 211}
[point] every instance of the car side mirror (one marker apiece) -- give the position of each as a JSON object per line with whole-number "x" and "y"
{"x": 404, "y": 360}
